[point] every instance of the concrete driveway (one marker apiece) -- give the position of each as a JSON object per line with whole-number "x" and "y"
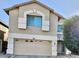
{"x": 68, "y": 56}
{"x": 3, "y": 55}
{"x": 16, "y": 56}
{"x": 61, "y": 56}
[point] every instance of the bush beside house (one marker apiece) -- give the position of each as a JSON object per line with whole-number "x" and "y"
{"x": 71, "y": 34}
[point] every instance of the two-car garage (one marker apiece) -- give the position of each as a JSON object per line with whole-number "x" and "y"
{"x": 32, "y": 47}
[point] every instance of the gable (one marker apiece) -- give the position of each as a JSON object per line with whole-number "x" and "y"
{"x": 31, "y": 2}
{"x": 35, "y": 8}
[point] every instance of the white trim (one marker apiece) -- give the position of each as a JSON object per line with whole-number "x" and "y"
{"x": 31, "y": 36}
{"x": 45, "y": 24}
{"x": 10, "y": 49}
{"x": 54, "y": 48}
{"x": 60, "y": 33}
{"x": 60, "y": 23}
{"x": 23, "y": 24}
{"x": 33, "y": 11}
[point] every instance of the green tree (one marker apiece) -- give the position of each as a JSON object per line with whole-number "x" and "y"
{"x": 71, "y": 34}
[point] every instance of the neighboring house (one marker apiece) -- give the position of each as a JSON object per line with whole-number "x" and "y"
{"x": 3, "y": 36}
{"x": 33, "y": 30}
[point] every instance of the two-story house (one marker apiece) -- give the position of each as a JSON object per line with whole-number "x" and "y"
{"x": 33, "y": 30}
{"x": 3, "y": 36}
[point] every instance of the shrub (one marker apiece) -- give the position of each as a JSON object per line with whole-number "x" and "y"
{"x": 71, "y": 34}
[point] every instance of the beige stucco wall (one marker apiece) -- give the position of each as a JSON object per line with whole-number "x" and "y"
{"x": 5, "y": 30}
{"x": 19, "y": 12}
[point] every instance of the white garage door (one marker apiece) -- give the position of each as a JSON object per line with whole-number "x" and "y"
{"x": 33, "y": 47}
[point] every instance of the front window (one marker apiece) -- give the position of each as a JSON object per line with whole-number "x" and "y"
{"x": 34, "y": 21}
{"x": 59, "y": 28}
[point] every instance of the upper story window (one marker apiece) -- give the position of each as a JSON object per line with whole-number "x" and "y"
{"x": 34, "y": 21}
{"x": 59, "y": 28}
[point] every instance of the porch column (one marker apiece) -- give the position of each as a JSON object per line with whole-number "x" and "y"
{"x": 54, "y": 47}
{"x": 10, "y": 45}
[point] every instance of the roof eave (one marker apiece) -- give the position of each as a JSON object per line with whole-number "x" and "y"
{"x": 4, "y": 24}
{"x": 7, "y": 11}
{"x": 26, "y": 3}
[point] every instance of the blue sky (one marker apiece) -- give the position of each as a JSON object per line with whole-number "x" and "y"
{"x": 64, "y": 7}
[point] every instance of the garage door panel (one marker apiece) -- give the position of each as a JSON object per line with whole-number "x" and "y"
{"x": 32, "y": 48}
